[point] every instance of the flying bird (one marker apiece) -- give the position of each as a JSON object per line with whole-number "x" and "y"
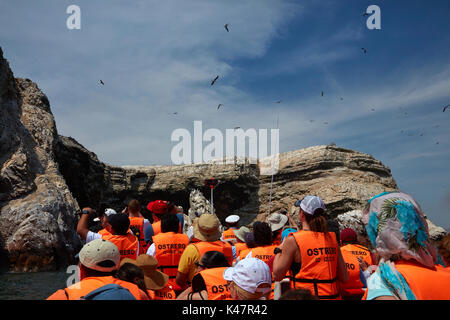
{"x": 322, "y": 93}
{"x": 226, "y": 27}
{"x": 445, "y": 108}
{"x": 219, "y": 106}
{"x": 102, "y": 82}
{"x": 364, "y": 50}
{"x": 175, "y": 113}
{"x": 215, "y": 79}
{"x": 279, "y": 101}
{"x": 342, "y": 98}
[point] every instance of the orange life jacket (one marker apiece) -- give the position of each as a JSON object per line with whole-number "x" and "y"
{"x": 221, "y": 246}
{"x": 138, "y": 223}
{"x": 216, "y": 285}
{"x": 165, "y": 293}
{"x": 425, "y": 283}
{"x": 319, "y": 259}
{"x": 239, "y": 247}
{"x": 104, "y": 232}
{"x": 264, "y": 253}
{"x": 128, "y": 245}
{"x": 169, "y": 247}
{"x": 87, "y": 285}
{"x": 228, "y": 235}
{"x": 350, "y": 253}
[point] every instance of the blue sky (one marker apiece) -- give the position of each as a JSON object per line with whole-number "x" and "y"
{"x": 158, "y": 57}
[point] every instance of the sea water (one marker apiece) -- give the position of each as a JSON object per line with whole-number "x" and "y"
{"x": 32, "y": 285}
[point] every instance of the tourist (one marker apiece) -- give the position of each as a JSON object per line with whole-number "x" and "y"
{"x": 311, "y": 255}
{"x": 231, "y": 223}
{"x": 352, "y": 252}
{"x": 168, "y": 246}
{"x": 264, "y": 247}
{"x": 116, "y": 230}
{"x": 209, "y": 283}
{"x": 159, "y": 208}
{"x": 156, "y": 282}
{"x": 408, "y": 269}
{"x": 207, "y": 231}
{"x": 250, "y": 279}
{"x": 137, "y": 222}
{"x": 98, "y": 262}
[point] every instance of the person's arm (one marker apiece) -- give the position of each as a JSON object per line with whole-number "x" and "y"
{"x": 83, "y": 223}
{"x": 283, "y": 259}
{"x": 181, "y": 279}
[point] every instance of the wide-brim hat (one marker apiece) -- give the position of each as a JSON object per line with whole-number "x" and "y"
{"x": 154, "y": 279}
{"x": 277, "y": 221}
{"x": 207, "y": 227}
{"x": 240, "y": 233}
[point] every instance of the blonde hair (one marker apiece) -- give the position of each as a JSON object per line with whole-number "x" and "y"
{"x": 245, "y": 295}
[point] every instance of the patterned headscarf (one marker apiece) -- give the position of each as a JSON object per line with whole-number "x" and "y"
{"x": 397, "y": 228}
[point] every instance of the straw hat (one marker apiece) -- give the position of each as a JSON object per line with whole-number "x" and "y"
{"x": 207, "y": 228}
{"x": 154, "y": 279}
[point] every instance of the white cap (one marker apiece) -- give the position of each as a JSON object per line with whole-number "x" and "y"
{"x": 310, "y": 204}
{"x": 248, "y": 274}
{"x": 232, "y": 219}
{"x": 101, "y": 255}
{"x": 108, "y": 212}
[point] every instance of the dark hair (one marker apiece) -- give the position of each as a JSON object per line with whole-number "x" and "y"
{"x": 214, "y": 259}
{"x": 119, "y": 222}
{"x": 298, "y": 294}
{"x": 132, "y": 273}
{"x": 88, "y": 272}
{"x": 262, "y": 233}
{"x": 317, "y": 222}
{"x": 170, "y": 223}
{"x": 134, "y": 206}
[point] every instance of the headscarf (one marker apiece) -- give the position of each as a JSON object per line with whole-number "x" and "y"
{"x": 397, "y": 228}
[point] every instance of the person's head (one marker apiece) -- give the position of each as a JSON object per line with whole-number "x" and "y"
{"x": 170, "y": 223}
{"x": 207, "y": 228}
{"x": 262, "y": 233}
{"x": 119, "y": 222}
{"x": 348, "y": 235}
{"x": 131, "y": 273}
{"x": 212, "y": 259}
{"x": 250, "y": 279}
{"x": 157, "y": 208}
{"x": 104, "y": 217}
{"x": 397, "y": 229}
{"x": 298, "y": 294}
{"x": 153, "y": 278}
{"x": 277, "y": 221}
{"x": 312, "y": 213}
{"x": 232, "y": 220}
{"x": 134, "y": 206}
{"x": 241, "y": 232}
{"x": 98, "y": 257}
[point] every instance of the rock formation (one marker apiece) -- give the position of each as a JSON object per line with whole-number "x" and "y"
{"x": 37, "y": 210}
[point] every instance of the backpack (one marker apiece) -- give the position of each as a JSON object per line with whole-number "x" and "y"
{"x": 109, "y": 292}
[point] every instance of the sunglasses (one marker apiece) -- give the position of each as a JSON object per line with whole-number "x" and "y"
{"x": 198, "y": 264}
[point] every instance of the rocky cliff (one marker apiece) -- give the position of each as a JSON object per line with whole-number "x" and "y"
{"x": 37, "y": 210}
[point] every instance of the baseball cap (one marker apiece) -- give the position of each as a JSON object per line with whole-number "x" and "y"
{"x": 101, "y": 255}
{"x": 158, "y": 207}
{"x": 277, "y": 221}
{"x": 310, "y": 204}
{"x": 207, "y": 227}
{"x": 108, "y": 212}
{"x": 232, "y": 219}
{"x": 249, "y": 274}
{"x": 348, "y": 235}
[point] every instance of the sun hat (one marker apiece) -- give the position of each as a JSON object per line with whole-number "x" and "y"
{"x": 154, "y": 279}
{"x": 232, "y": 218}
{"x": 158, "y": 207}
{"x": 101, "y": 255}
{"x": 207, "y": 227}
{"x": 248, "y": 274}
{"x": 348, "y": 235}
{"x": 277, "y": 221}
{"x": 310, "y": 204}
{"x": 108, "y": 212}
{"x": 240, "y": 233}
